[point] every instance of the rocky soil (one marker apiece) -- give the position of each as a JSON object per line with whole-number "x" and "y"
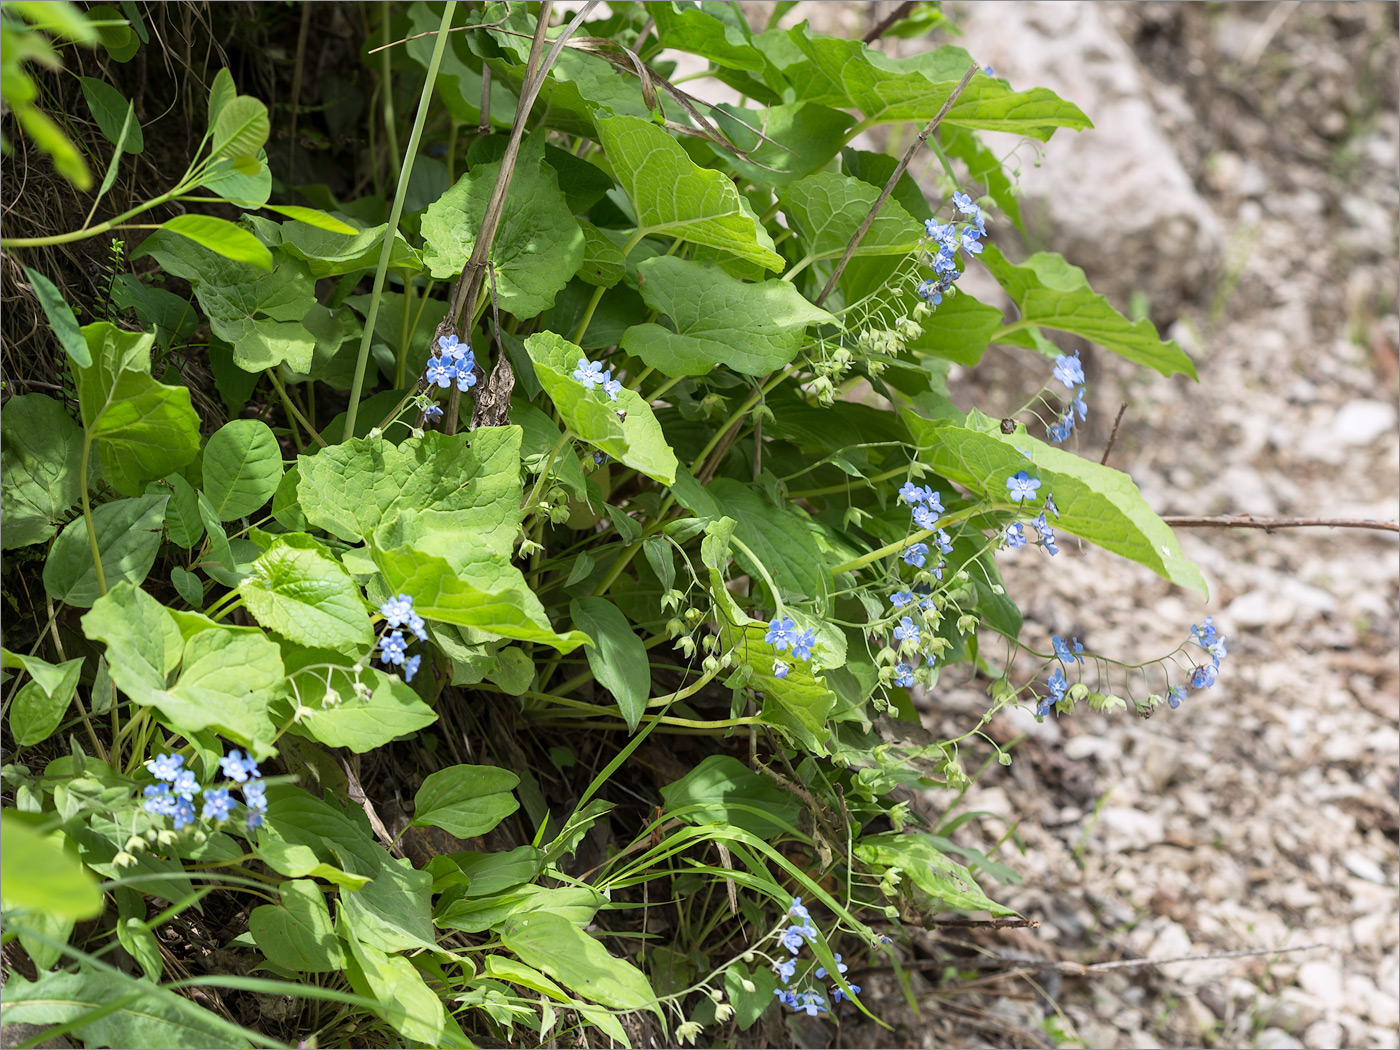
{"x": 1244, "y": 181}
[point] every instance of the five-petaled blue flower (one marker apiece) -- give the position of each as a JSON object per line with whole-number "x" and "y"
{"x": 911, "y": 493}
{"x": 812, "y": 1002}
{"x": 1022, "y": 486}
{"x": 396, "y": 611}
{"x": 1175, "y": 695}
{"x": 466, "y": 376}
{"x": 441, "y": 371}
{"x": 1015, "y": 535}
{"x": 410, "y": 666}
{"x": 612, "y": 387}
{"x": 391, "y": 649}
{"x": 238, "y": 768}
{"x": 159, "y": 800}
{"x": 589, "y": 373}
{"x": 1069, "y": 652}
{"x": 780, "y": 632}
{"x": 943, "y": 541}
{"x": 963, "y": 203}
{"x": 1069, "y": 371}
{"x": 1203, "y": 677}
{"x": 786, "y": 969}
{"x": 798, "y": 909}
{"x": 924, "y": 517}
{"x": 217, "y": 804}
{"x": 794, "y": 937}
{"x": 802, "y": 644}
{"x": 183, "y": 816}
{"x": 915, "y": 554}
{"x": 1059, "y": 686}
{"x": 903, "y": 675}
{"x": 164, "y": 767}
{"x": 255, "y": 794}
{"x": 1204, "y": 635}
{"x": 185, "y": 784}
{"x": 899, "y": 599}
{"x": 907, "y": 631}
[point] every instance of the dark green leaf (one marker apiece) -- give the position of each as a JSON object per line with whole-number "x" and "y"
{"x": 128, "y": 539}
{"x": 465, "y": 800}
{"x": 617, "y": 657}
{"x": 40, "y": 454}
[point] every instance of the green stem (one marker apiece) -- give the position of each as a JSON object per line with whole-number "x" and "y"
{"x": 1007, "y": 329}
{"x": 588, "y": 315}
{"x": 294, "y": 412}
{"x": 742, "y": 411}
{"x": 391, "y": 131}
{"x": 87, "y": 514}
{"x": 829, "y": 489}
{"x": 913, "y": 537}
{"x": 395, "y": 213}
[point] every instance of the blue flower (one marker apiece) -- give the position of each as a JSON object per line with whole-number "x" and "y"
{"x": 798, "y": 909}
{"x": 780, "y": 633}
{"x": 612, "y": 387}
{"x": 903, "y": 675}
{"x": 907, "y": 631}
{"x": 1217, "y": 651}
{"x": 938, "y": 570}
{"x": 915, "y": 554}
{"x": 164, "y": 767}
{"x": 970, "y": 243}
{"x": 802, "y": 644}
{"x": 787, "y": 997}
{"x": 911, "y": 493}
{"x": 933, "y": 500}
{"x": 254, "y": 820}
{"x": 238, "y": 768}
{"x": 453, "y": 348}
{"x": 1059, "y": 686}
{"x": 255, "y": 794}
{"x": 899, "y": 599}
{"x": 1175, "y": 695}
{"x": 794, "y": 937}
{"x": 1051, "y": 507}
{"x": 589, "y": 373}
{"x": 185, "y": 785}
{"x": 924, "y": 517}
{"x": 1204, "y": 635}
{"x": 840, "y": 967}
{"x": 1022, "y": 486}
{"x": 837, "y": 994}
{"x": 1065, "y": 651}
{"x": 410, "y": 666}
{"x": 396, "y": 611}
{"x": 931, "y": 292}
{"x": 1058, "y": 432}
{"x": 159, "y": 800}
{"x": 1203, "y": 677}
{"x": 963, "y": 203}
{"x": 391, "y": 649}
{"x": 442, "y": 372}
{"x": 1078, "y": 405}
{"x": 812, "y": 1002}
{"x": 780, "y": 669}
{"x": 786, "y": 969}
{"x": 466, "y": 376}
{"x": 433, "y": 411}
{"x": 217, "y": 804}
{"x": 183, "y": 816}
{"x": 1015, "y": 535}
{"x": 1047, "y": 534}
{"x": 1069, "y": 371}
{"x": 943, "y": 541}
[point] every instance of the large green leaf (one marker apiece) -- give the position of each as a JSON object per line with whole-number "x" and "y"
{"x": 538, "y": 244}
{"x": 392, "y": 710}
{"x": 805, "y": 136}
{"x": 783, "y": 539}
{"x": 553, "y": 944}
{"x": 617, "y": 657}
{"x": 753, "y": 328}
{"x": 1051, "y": 293}
{"x": 636, "y": 440}
{"x": 848, "y": 73}
{"x": 38, "y": 873}
{"x": 302, "y": 592}
{"x": 109, "y": 108}
{"x": 328, "y": 253}
{"x": 959, "y": 329}
{"x": 1099, "y": 503}
{"x": 724, "y": 789}
{"x": 256, "y": 311}
{"x": 675, "y": 197}
{"x": 946, "y": 881}
{"x": 393, "y": 910}
{"x": 241, "y": 468}
{"x": 39, "y": 706}
{"x": 128, "y": 539}
{"x": 240, "y": 128}
{"x": 827, "y": 208}
{"x": 465, "y": 800}
{"x": 108, "y": 1012}
{"x": 407, "y": 1003}
{"x": 348, "y": 489}
{"x": 700, "y": 33}
{"x": 41, "y": 450}
{"x": 142, "y": 429}
{"x": 221, "y": 237}
{"x": 297, "y": 934}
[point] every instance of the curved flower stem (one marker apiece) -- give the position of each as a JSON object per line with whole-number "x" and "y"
{"x": 900, "y": 544}
{"x": 395, "y": 213}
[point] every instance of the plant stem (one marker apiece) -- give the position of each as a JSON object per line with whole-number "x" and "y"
{"x": 87, "y": 514}
{"x": 395, "y": 213}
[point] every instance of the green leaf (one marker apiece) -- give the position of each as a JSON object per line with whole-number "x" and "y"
{"x": 538, "y": 244}
{"x": 242, "y": 465}
{"x": 49, "y": 137}
{"x": 41, "y": 703}
{"x": 331, "y": 252}
{"x": 41, "y": 451}
{"x": 826, "y": 209}
{"x": 617, "y": 657}
{"x": 876, "y": 169}
{"x": 142, "y": 429}
{"x": 1098, "y": 503}
{"x": 240, "y": 129}
{"x": 183, "y": 523}
{"x": 107, "y": 1012}
{"x": 553, "y": 944}
{"x": 109, "y": 108}
{"x": 188, "y": 585}
{"x": 602, "y": 260}
{"x": 128, "y": 539}
{"x": 702, "y": 34}
{"x": 1053, "y": 294}
{"x": 959, "y": 329}
{"x": 724, "y": 789}
{"x": 465, "y": 800}
{"x": 313, "y": 217}
{"x": 658, "y": 554}
{"x": 943, "y": 879}
{"x": 221, "y": 93}
{"x": 406, "y": 1001}
{"x": 393, "y": 910}
{"x": 299, "y": 590}
{"x": 61, "y": 319}
{"x": 143, "y": 642}
{"x": 297, "y": 934}
{"x": 38, "y": 873}
{"x": 812, "y": 134}
{"x": 749, "y": 1005}
{"x": 507, "y": 969}
{"x": 392, "y": 710}
{"x": 222, "y": 237}
{"x": 636, "y": 440}
{"x": 753, "y": 328}
{"x": 474, "y": 914}
{"x": 783, "y": 539}
{"x": 513, "y": 671}
{"x": 258, "y": 312}
{"x": 675, "y": 197}
{"x": 225, "y": 179}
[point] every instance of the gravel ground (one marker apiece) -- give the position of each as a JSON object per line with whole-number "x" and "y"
{"x": 1262, "y": 814}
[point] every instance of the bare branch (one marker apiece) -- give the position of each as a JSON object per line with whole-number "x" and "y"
{"x": 1249, "y": 521}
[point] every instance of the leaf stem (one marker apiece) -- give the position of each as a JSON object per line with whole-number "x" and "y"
{"x": 87, "y": 514}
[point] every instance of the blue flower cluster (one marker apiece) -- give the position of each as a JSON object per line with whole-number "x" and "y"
{"x": 457, "y": 364}
{"x": 1209, "y": 639}
{"x": 794, "y": 939}
{"x": 946, "y": 240}
{"x": 590, "y": 374}
{"x": 1022, "y": 488}
{"x": 174, "y": 796}
{"x": 1068, "y": 653}
{"x": 926, "y": 506}
{"x": 783, "y": 635}
{"x": 393, "y": 648}
{"x": 1070, "y": 372}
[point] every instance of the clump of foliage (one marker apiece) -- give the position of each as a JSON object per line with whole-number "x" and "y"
{"x": 645, "y": 433}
